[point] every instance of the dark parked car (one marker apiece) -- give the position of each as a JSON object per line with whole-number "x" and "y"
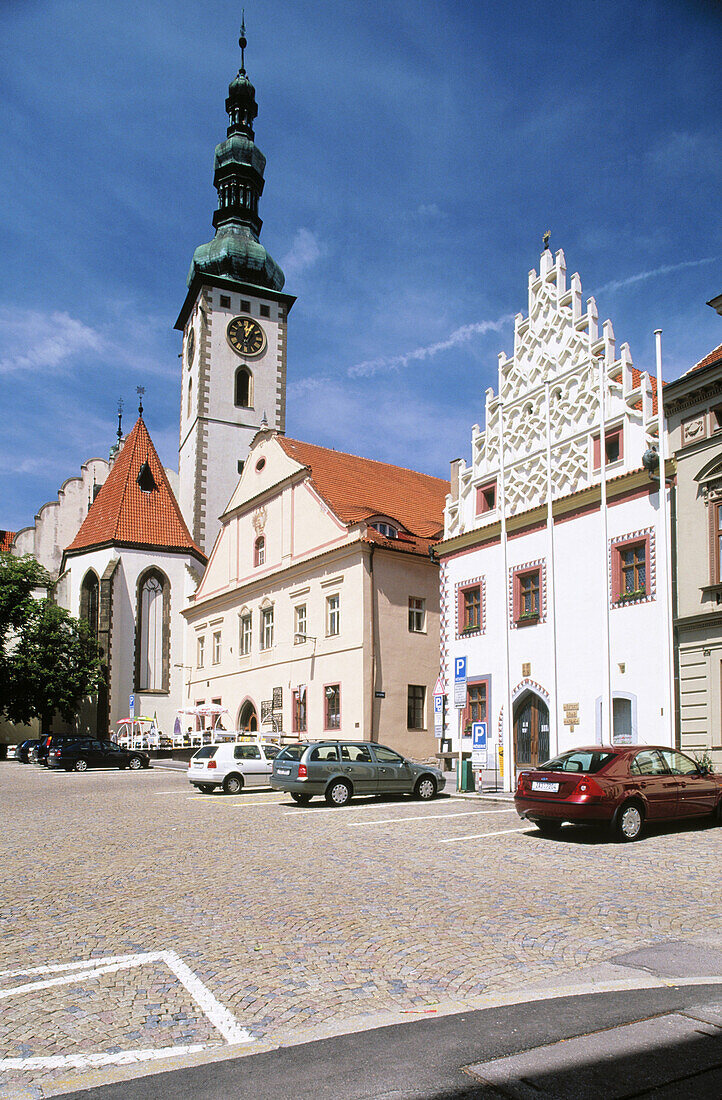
{"x": 622, "y": 787}
{"x": 340, "y": 769}
{"x": 22, "y": 753}
{"x": 86, "y": 752}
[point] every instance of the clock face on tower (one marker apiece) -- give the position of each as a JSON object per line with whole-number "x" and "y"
{"x": 246, "y": 336}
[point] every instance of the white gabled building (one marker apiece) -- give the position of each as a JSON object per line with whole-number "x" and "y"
{"x": 558, "y": 602}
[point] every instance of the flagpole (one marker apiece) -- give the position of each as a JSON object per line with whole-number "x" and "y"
{"x": 665, "y": 527}
{"x": 551, "y": 579}
{"x": 606, "y": 732}
{"x": 508, "y": 726}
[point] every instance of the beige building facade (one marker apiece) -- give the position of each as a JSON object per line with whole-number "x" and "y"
{"x": 318, "y": 613}
{"x": 693, "y": 404}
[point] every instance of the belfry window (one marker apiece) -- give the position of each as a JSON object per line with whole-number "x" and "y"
{"x": 244, "y": 388}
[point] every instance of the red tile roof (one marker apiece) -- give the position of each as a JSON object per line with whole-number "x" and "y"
{"x": 713, "y": 357}
{"x": 361, "y": 488}
{"x": 122, "y": 514}
{"x": 6, "y": 539}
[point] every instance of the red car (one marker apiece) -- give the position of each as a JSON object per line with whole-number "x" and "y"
{"x": 620, "y": 786}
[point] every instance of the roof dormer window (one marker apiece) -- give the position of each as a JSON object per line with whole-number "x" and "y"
{"x": 385, "y": 529}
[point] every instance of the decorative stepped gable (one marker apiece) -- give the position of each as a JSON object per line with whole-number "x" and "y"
{"x": 558, "y": 343}
{"x": 236, "y": 252}
{"x": 136, "y": 506}
{"x": 358, "y": 489}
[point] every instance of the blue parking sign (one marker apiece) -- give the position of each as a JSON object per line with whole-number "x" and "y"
{"x": 460, "y": 669}
{"x": 478, "y": 735}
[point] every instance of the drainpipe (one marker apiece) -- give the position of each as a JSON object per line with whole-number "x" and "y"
{"x": 373, "y": 643}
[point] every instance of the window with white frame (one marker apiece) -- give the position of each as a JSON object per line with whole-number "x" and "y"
{"x": 417, "y": 615}
{"x": 200, "y": 650}
{"x": 216, "y": 647}
{"x": 333, "y": 615}
{"x": 266, "y": 627}
{"x": 299, "y": 630}
{"x": 332, "y": 707}
{"x": 244, "y": 638}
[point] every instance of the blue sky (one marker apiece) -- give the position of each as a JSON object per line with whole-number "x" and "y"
{"x": 416, "y": 152}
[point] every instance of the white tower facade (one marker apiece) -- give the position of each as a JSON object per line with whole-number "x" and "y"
{"x": 234, "y": 329}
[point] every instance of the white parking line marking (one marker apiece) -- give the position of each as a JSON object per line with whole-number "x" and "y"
{"x": 226, "y": 799}
{"x": 480, "y": 836}
{"x": 81, "y": 1061}
{"x": 425, "y": 817}
{"x": 70, "y": 973}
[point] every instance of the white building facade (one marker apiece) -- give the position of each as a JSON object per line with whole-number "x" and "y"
{"x": 553, "y": 569}
{"x": 318, "y": 612}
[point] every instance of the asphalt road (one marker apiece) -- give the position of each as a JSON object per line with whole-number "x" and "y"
{"x": 449, "y": 1057}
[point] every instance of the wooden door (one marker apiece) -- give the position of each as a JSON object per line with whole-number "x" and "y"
{"x": 531, "y": 732}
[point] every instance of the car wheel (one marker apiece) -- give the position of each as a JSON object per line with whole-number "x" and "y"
{"x": 549, "y": 828}
{"x": 425, "y": 788}
{"x": 80, "y": 765}
{"x": 206, "y": 788}
{"x": 233, "y": 784}
{"x": 629, "y": 821}
{"x": 302, "y": 799}
{"x": 338, "y": 793}
{"x": 135, "y": 763}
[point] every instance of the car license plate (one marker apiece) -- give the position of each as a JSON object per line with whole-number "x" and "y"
{"x": 538, "y": 785}
{"x": 197, "y": 763}
{"x": 283, "y": 771}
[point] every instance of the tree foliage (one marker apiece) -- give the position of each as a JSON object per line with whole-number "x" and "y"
{"x": 48, "y": 659}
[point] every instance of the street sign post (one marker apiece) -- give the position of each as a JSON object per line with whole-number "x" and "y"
{"x": 438, "y": 716}
{"x": 131, "y": 706}
{"x": 478, "y": 743}
{"x": 460, "y": 681}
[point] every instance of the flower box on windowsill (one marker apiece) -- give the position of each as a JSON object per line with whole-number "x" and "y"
{"x": 632, "y": 597}
{"x": 527, "y": 617}
{"x": 471, "y": 630}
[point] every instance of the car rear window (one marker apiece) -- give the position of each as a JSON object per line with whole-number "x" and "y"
{"x": 587, "y": 762}
{"x": 206, "y": 752}
{"x": 324, "y": 752}
{"x": 292, "y": 752}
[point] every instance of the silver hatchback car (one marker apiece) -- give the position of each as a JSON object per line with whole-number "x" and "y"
{"x": 340, "y": 769}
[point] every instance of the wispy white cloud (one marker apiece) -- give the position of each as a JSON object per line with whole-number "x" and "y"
{"x": 48, "y": 342}
{"x": 458, "y": 337}
{"x": 303, "y": 253}
{"x": 642, "y": 276}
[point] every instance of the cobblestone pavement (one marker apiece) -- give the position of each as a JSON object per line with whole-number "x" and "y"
{"x": 300, "y": 922}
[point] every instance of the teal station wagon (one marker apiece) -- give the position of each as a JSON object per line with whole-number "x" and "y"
{"x": 338, "y": 770}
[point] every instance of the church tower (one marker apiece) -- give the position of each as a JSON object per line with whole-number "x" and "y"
{"x": 234, "y": 329}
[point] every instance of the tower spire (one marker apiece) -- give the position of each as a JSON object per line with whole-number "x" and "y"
{"x": 236, "y": 251}
{"x": 242, "y": 41}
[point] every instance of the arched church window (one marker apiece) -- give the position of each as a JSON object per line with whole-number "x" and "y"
{"x": 89, "y": 601}
{"x": 190, "y": 396}
{"x": 244, "y": 388}
{"x": 153, "y": 632}
{"x": 259, "y": 551}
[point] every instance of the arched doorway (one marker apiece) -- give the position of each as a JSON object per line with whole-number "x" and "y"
{"x": 531, "y": 731}
{"x": 247, "y": 718}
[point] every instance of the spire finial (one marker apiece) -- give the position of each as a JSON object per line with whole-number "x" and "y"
{"x": 242, "y": 42}
{"x": 140, "y": 390}
{"x": 120, "y": 420}
{"x": 545, "y": 238}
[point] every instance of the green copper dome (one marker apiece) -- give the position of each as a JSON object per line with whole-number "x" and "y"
{"x": 236, "y": 252}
